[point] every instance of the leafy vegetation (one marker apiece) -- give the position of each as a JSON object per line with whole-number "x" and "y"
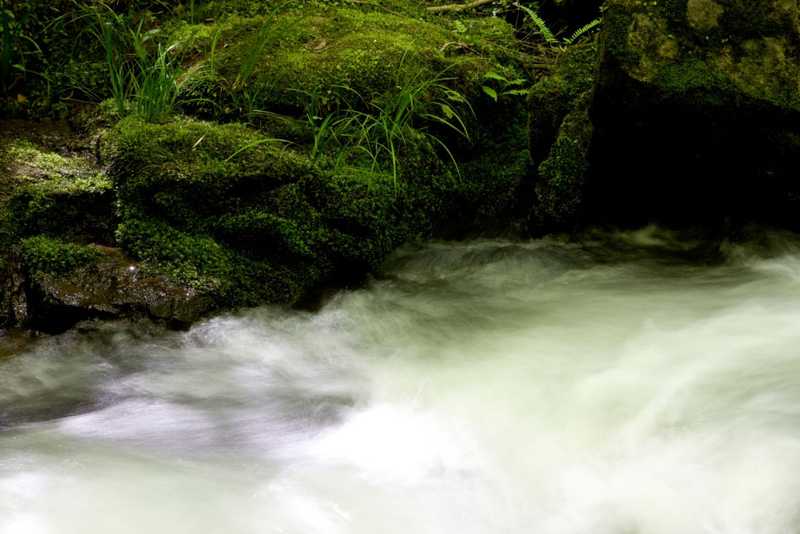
{"x": 139, "y": 70}
{"x": 548, "y": 35}
{"x": 43, "y": 254}
{"x": 333, "y": 132}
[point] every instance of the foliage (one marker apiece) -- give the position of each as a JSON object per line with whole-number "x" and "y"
{"x": 548, "y": 35}
{"x": 539, "y": 23}
{"x": 20, "y": 53}
{"x": 583, "y": 30}
{"x": 137, "y": 68}
{"x": 496, "y": 85}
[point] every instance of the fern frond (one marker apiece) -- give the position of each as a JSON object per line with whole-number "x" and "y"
{"x": 540, "y": 24}
{"x": 586, "y": 28}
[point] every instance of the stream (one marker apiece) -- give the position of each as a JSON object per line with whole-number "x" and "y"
{"x": 631, "y": 383}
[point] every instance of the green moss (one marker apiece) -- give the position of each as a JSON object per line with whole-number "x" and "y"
{"x": 205, "y": 264}
{"x": 718, "y": 51}
{"x": 559, "y": 190}
{"x": 560, "y": 136}
{"x": 42, "y": 254}
{"x": 60, "y": 196}
{"x": 344, "y": 55}
{"x": 554, "y": 96}
{"x": 262, "y": 234}
{"x": 188, "y": 169}
{"x": 196, "y": 260}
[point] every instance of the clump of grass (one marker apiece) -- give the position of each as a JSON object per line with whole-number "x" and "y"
{"x": 143, "y": 77}
{"x": 378, "y": 132}
{"x": 156, "y": 87}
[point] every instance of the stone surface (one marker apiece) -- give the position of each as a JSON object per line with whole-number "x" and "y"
{"x": 696, "y": 112}
{"x": 113, "y": 286}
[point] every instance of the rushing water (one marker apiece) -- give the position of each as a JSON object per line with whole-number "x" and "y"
{"x": 631, "y": 384}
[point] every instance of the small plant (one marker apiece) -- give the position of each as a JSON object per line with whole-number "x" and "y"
{"x": 139, "y": 72}
{"x": 539, "y": 23}
{"x": 496, "y": 85}
{"x": 580, "y": 32}
{"x": 156, "y": 85}
{"x": 107, "y": 30}
{"x": 247, "y": 94}
{"x": 548, "y": 35}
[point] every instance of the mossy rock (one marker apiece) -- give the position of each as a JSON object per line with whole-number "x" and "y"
{"x": 221, "y": 207}
{"x": 45, "y": 192}
{"x": 720, "y": 51}
{"x": 337, "y": 55}
{"x": 554, "y": 96}
{"x": 67, "y": 283}
{"x": 223, "y": 210}
{"x": 188, "y": 170}
{"x": 689, "y": 98}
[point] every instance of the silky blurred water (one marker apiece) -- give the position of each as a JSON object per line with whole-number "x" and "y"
{"x": 632, "y": 383}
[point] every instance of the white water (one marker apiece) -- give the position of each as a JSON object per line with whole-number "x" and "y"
{"x": 488, "y": 387}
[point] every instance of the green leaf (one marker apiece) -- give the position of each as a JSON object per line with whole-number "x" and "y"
{"x": 448, "y": 111}
{"x": 491, "y": 92}
{"x": 455, "y": 96}
{"x": 491, "y": 75}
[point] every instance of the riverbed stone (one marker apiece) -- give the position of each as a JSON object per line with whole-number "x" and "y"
{"x": 108, "y": 285}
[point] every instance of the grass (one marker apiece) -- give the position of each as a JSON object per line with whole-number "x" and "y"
{"x": 379, "y": 132}
{"x": 143, "y": 78}
{"x": 156, "y": 87}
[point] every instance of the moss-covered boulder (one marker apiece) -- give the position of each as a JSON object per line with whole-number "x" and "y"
{"x": 67, "y": 282}
{"x": 334, "y": 56}
{"x": 45, "y": 191}
{"x": 229, "y": 212}
{"x": 697, "y": 110}
{"x": 58, "y": 225}
{"x": 306, "y": 141}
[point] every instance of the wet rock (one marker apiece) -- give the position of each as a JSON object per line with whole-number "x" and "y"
{"x": 112, "y": 286}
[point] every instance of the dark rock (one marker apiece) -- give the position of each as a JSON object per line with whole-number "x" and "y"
{"x": 570, "y": 14}
{"x": 697, "y": 112}
{"x": 113, "y": 286}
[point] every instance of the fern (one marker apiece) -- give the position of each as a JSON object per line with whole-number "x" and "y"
{"x": 548, "y": 34}
{"x": 586, "y": 28}
{"x": 540, "y": 24}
